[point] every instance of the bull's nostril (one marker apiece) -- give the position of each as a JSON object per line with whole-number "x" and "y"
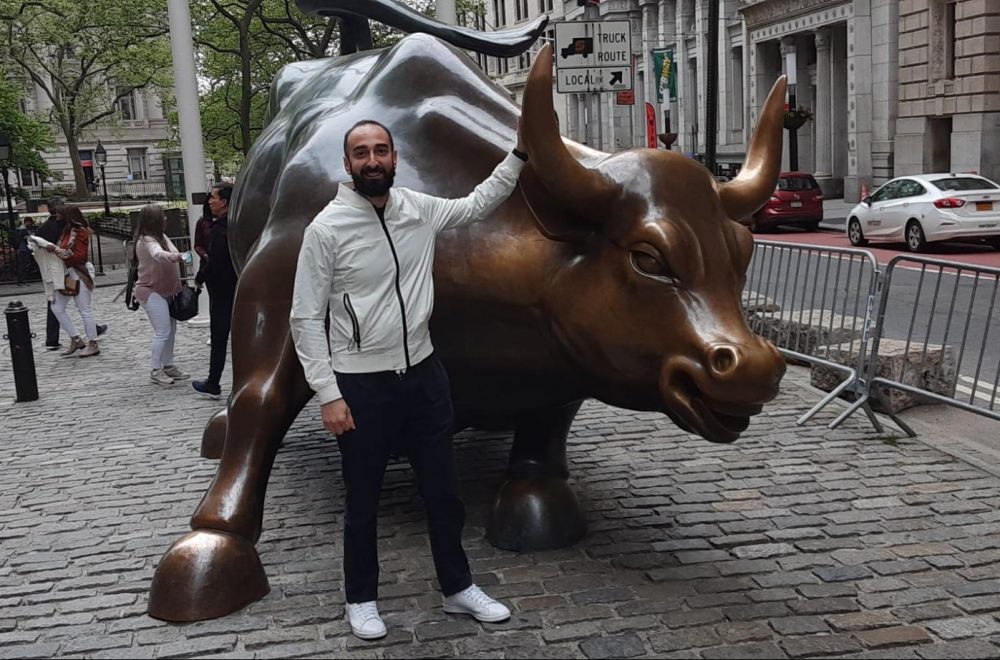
{"x": 723, "y": 359}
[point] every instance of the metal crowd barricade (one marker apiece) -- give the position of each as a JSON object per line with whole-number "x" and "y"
{"x": 944, "y": 321}
{"x": 815, "y": 303}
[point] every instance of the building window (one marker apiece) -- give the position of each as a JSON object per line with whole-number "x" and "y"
{"x": 944, "y": 39}
{"x": 28, "y": 178}
{"x": 544, "y": 6}
{"x": 520, "y": 10}
{"x": 137, "y": 164}
{"x": 127, "y": 105}
{"x": 500, "y": 12}
{"x": 949, "y": 40}
{"x": 524, "y": 61}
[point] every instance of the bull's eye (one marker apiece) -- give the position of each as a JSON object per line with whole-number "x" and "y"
{"x": 648, "y": 264}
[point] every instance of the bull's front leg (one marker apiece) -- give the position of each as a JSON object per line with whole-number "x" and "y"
{"x": 215, "y": 569}
{"x": 535, "y": 509}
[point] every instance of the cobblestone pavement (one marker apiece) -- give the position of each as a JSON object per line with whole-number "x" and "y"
{"x": 793, "y": 542}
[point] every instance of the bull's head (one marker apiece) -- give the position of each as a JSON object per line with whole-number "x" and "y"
{"x": 649, "y": 303}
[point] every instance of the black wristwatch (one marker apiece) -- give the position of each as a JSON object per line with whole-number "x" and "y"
{"x": 520, "y": 154}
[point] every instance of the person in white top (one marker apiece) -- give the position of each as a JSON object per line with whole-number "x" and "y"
{"x": 366, "y": 260}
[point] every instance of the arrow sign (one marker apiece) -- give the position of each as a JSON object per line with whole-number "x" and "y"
{"x": 616, "y": 78}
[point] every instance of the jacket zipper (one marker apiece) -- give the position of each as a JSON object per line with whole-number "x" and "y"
{"x": 355, "y": 343}
{"x": 399, "y": 293}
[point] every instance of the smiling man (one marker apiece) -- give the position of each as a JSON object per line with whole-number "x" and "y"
{"x": 366, "y": 259}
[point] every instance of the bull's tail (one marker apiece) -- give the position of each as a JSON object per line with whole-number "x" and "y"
{"x": 502, "y": 43}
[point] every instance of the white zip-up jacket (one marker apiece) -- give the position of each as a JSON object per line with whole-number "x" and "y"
{"x": 373, "y": 277}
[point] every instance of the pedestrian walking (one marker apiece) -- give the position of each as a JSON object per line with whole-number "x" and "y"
{"x": 158, "y": 282}
{"x": 23, "y": 251}
{"x": 219, "y": 276}
{"x": 51, "y": 230}
{"x": 203, "y": 231}
{"x": 366, "y": 259}
{"x": 78, "y": 283}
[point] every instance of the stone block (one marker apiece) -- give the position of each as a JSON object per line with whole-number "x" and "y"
{"x": 805, "y": 331}
{"x": 934, "y": 373}
{"x": 754, "y": 302}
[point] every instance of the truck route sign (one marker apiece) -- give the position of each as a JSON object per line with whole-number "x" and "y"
{"x": 593, "y": 56}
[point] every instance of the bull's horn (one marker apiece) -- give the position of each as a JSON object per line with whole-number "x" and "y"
{"x": 581, "y": 188}
{"x": 747, "y": 192}
{"x": 502, "y": 43}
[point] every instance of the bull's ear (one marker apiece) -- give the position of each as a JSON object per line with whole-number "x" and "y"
{"x": 556, "y": 221}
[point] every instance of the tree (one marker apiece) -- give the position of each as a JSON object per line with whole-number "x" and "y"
{"x": 28, "y": 136}
{"x": 243, "y": 44}
{"x": 86, "y": 56}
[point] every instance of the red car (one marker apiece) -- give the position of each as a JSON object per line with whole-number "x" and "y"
{"x": 797, "y": 200}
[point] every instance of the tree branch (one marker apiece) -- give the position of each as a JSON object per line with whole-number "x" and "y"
{"x": 96, "y": 118}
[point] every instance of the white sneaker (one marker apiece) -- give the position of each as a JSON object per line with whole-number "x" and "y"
{"x": 365, "y": 621}
{"x": 175, "y": 373}
{"x": 160, "y": 378}
{"x": 473, "y": 601}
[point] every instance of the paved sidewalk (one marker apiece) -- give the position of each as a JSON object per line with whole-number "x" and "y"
{"x": 792, "y": 542}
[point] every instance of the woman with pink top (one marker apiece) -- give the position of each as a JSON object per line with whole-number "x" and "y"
{"x": 158, "y": 282}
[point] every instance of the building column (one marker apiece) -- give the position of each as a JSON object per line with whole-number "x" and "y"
{"x": 584, "y": 127}
{"x": 838, "y": 61}
{"x": 667, "y": 37}
{"x": 824, "y": 131}
{"x": 650, "y": 40}
{"x": 787, "y": 47}
{"x": 573, "y": 118}
{"x": 859, "y": 101}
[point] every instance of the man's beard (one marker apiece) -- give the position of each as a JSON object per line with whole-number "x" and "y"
{"x": 373, "y": 187}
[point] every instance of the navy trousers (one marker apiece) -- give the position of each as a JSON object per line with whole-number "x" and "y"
{"x": 408, "y": 414}
{"x": 220, "y": 316}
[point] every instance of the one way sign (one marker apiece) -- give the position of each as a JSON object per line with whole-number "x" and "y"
{"x": 593, "y": 56}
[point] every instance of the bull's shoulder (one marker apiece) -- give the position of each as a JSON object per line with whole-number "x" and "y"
{"x": 289, "y": 79}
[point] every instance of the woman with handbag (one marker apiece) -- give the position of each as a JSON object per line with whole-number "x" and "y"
{"x": 158, "y": 281}
{"x": 78, "y": 284}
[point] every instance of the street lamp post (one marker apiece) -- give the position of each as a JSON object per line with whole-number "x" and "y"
{"x": 101, "y": 155}
{"x": 5, "y": 157}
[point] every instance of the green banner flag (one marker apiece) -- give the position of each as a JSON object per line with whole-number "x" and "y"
{"x": 664, "y": 74}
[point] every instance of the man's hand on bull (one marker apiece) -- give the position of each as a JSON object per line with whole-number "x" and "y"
{"x": 337, "y": 417}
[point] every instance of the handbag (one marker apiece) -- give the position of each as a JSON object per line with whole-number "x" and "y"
{"x": 131, "y": 302}
{"x": 71, "y": 286}
{"x": 184, "y": 305}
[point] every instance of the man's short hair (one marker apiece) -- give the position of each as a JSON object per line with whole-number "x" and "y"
{"x": 225, "y": 191}
{"x": 368, "y": 122}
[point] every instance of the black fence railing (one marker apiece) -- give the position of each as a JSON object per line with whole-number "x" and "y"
{"x": 140, "y": 190}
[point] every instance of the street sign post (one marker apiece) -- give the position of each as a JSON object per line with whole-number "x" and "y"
{"x": 593, "y": 56}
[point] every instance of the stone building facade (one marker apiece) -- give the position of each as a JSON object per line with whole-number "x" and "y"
{"x": 949, "y": 87}
{"x": 845, "y": 56}
{"x": 140, "y": 162}
{"x": 600, "y": 121}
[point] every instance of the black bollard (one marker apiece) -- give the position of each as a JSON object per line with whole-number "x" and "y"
{"x": 19, "y": 333}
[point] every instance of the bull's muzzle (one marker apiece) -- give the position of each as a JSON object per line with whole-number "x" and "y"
{"x": 715, "y": 396}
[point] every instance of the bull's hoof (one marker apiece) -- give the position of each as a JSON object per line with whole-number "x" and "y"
{"x": 213, "y": 439}
{"x": 204, "y": 575}
{"x": 535, "y": 514}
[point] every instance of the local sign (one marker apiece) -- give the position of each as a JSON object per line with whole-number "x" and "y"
{"x": 593, "y": 56}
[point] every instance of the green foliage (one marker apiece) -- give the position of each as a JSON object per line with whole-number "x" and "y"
{"x": 242, "y": 45}
{"x": 28, "y": 136}
{"x": 86, "y": 55}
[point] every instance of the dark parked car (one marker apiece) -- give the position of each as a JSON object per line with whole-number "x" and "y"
{"x": 796, "y": 201}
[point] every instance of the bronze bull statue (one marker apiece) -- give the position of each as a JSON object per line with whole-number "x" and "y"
{"x": 616, "y": 277}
